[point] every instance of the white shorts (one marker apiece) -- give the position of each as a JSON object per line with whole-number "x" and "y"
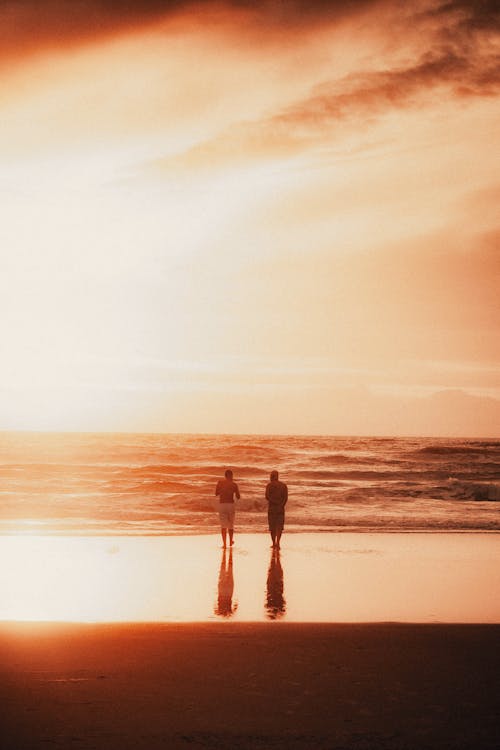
{"x": 226, "y": 515}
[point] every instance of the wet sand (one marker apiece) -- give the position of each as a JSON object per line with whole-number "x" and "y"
{"x": 416, "y": 578}
{"x": 250, "y": 686}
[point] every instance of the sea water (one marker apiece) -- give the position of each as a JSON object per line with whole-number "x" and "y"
{"x": 154, "y": 484}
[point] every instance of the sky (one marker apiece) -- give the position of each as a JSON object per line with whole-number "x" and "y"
{"x": 250, "y": 217}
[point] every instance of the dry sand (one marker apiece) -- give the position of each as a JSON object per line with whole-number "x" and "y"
{"x": 249, "y": 685}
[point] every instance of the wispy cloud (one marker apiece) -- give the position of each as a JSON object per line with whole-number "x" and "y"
{"x": 445, "y": 52}
{"x": 373, "y": 93}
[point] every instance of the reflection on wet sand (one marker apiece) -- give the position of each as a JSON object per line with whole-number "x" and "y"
{"x": 224, "y": 606}
{"x": 275, "y": 599}
{"x": 329, "y": 578}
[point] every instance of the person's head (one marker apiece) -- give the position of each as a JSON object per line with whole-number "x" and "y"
{"x": 274, "y": 475}
{"x": 228, "y": 474}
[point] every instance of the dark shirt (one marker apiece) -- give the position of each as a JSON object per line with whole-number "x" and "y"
{"x": 276, "y": 494}
{"x": 226, "y": 489}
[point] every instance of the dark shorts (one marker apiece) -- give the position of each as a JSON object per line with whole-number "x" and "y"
{"x": 276, "y": 520}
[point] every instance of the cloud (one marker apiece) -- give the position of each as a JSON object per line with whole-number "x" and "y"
{"x": 359, "y": 99}
{"x": 28, "y": 25}
{"x": 32, "y": 25}
{"x": 370, "y": 94}
{"x": 470, "y": 15}
{"x": 443, "y": 54}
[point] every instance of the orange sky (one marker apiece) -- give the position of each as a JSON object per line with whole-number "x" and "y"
{"x": 250, "y": 217}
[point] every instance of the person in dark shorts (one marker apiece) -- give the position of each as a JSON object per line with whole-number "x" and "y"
{"x": 277, "y": 497}
{"x": 226, "y": 491}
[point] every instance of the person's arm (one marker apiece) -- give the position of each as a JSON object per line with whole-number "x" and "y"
{"x": 285, "y": 495}
{"x": 267, "y": 492}
{"x": 237, "y": 492}
{"x": 217, "y": 488}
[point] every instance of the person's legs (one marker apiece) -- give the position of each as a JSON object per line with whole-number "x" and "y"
{"x": 230, "y": 524}
{"x": 280, "y": 522}
{"x": 226, "y": 515}
{"x": 272, "y": 529}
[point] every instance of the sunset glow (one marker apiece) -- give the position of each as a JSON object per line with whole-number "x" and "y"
{"x": 264, "y": 217}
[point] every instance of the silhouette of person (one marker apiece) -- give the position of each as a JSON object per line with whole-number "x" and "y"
{"x": 275, "y": 600}
{"x": 226, "y": 490}
{"x": 277, "y": 498}
{"x": 224, "y": 606}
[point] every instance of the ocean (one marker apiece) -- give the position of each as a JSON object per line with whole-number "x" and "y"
{"x": 162, "y": 484}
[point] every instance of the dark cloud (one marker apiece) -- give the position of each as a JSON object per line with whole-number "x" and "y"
{"x": 30, "y": 25}
{"x": 470, "y": 15}
{"x": 372, "y": 93}
{"x": 26, "y": 25}
{"x": 460, "y": 61}
{"x": 292, "y": 12}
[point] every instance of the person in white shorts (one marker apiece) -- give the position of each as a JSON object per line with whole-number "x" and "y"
{"x": 226, "y": 491}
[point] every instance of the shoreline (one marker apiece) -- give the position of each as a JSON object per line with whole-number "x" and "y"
{"x": 250, "y": 686}
{"x": 244, "y": 530}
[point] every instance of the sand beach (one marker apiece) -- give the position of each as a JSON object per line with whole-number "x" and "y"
{"x": 249, "y": 685}
{"x": 346, "y": 641}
